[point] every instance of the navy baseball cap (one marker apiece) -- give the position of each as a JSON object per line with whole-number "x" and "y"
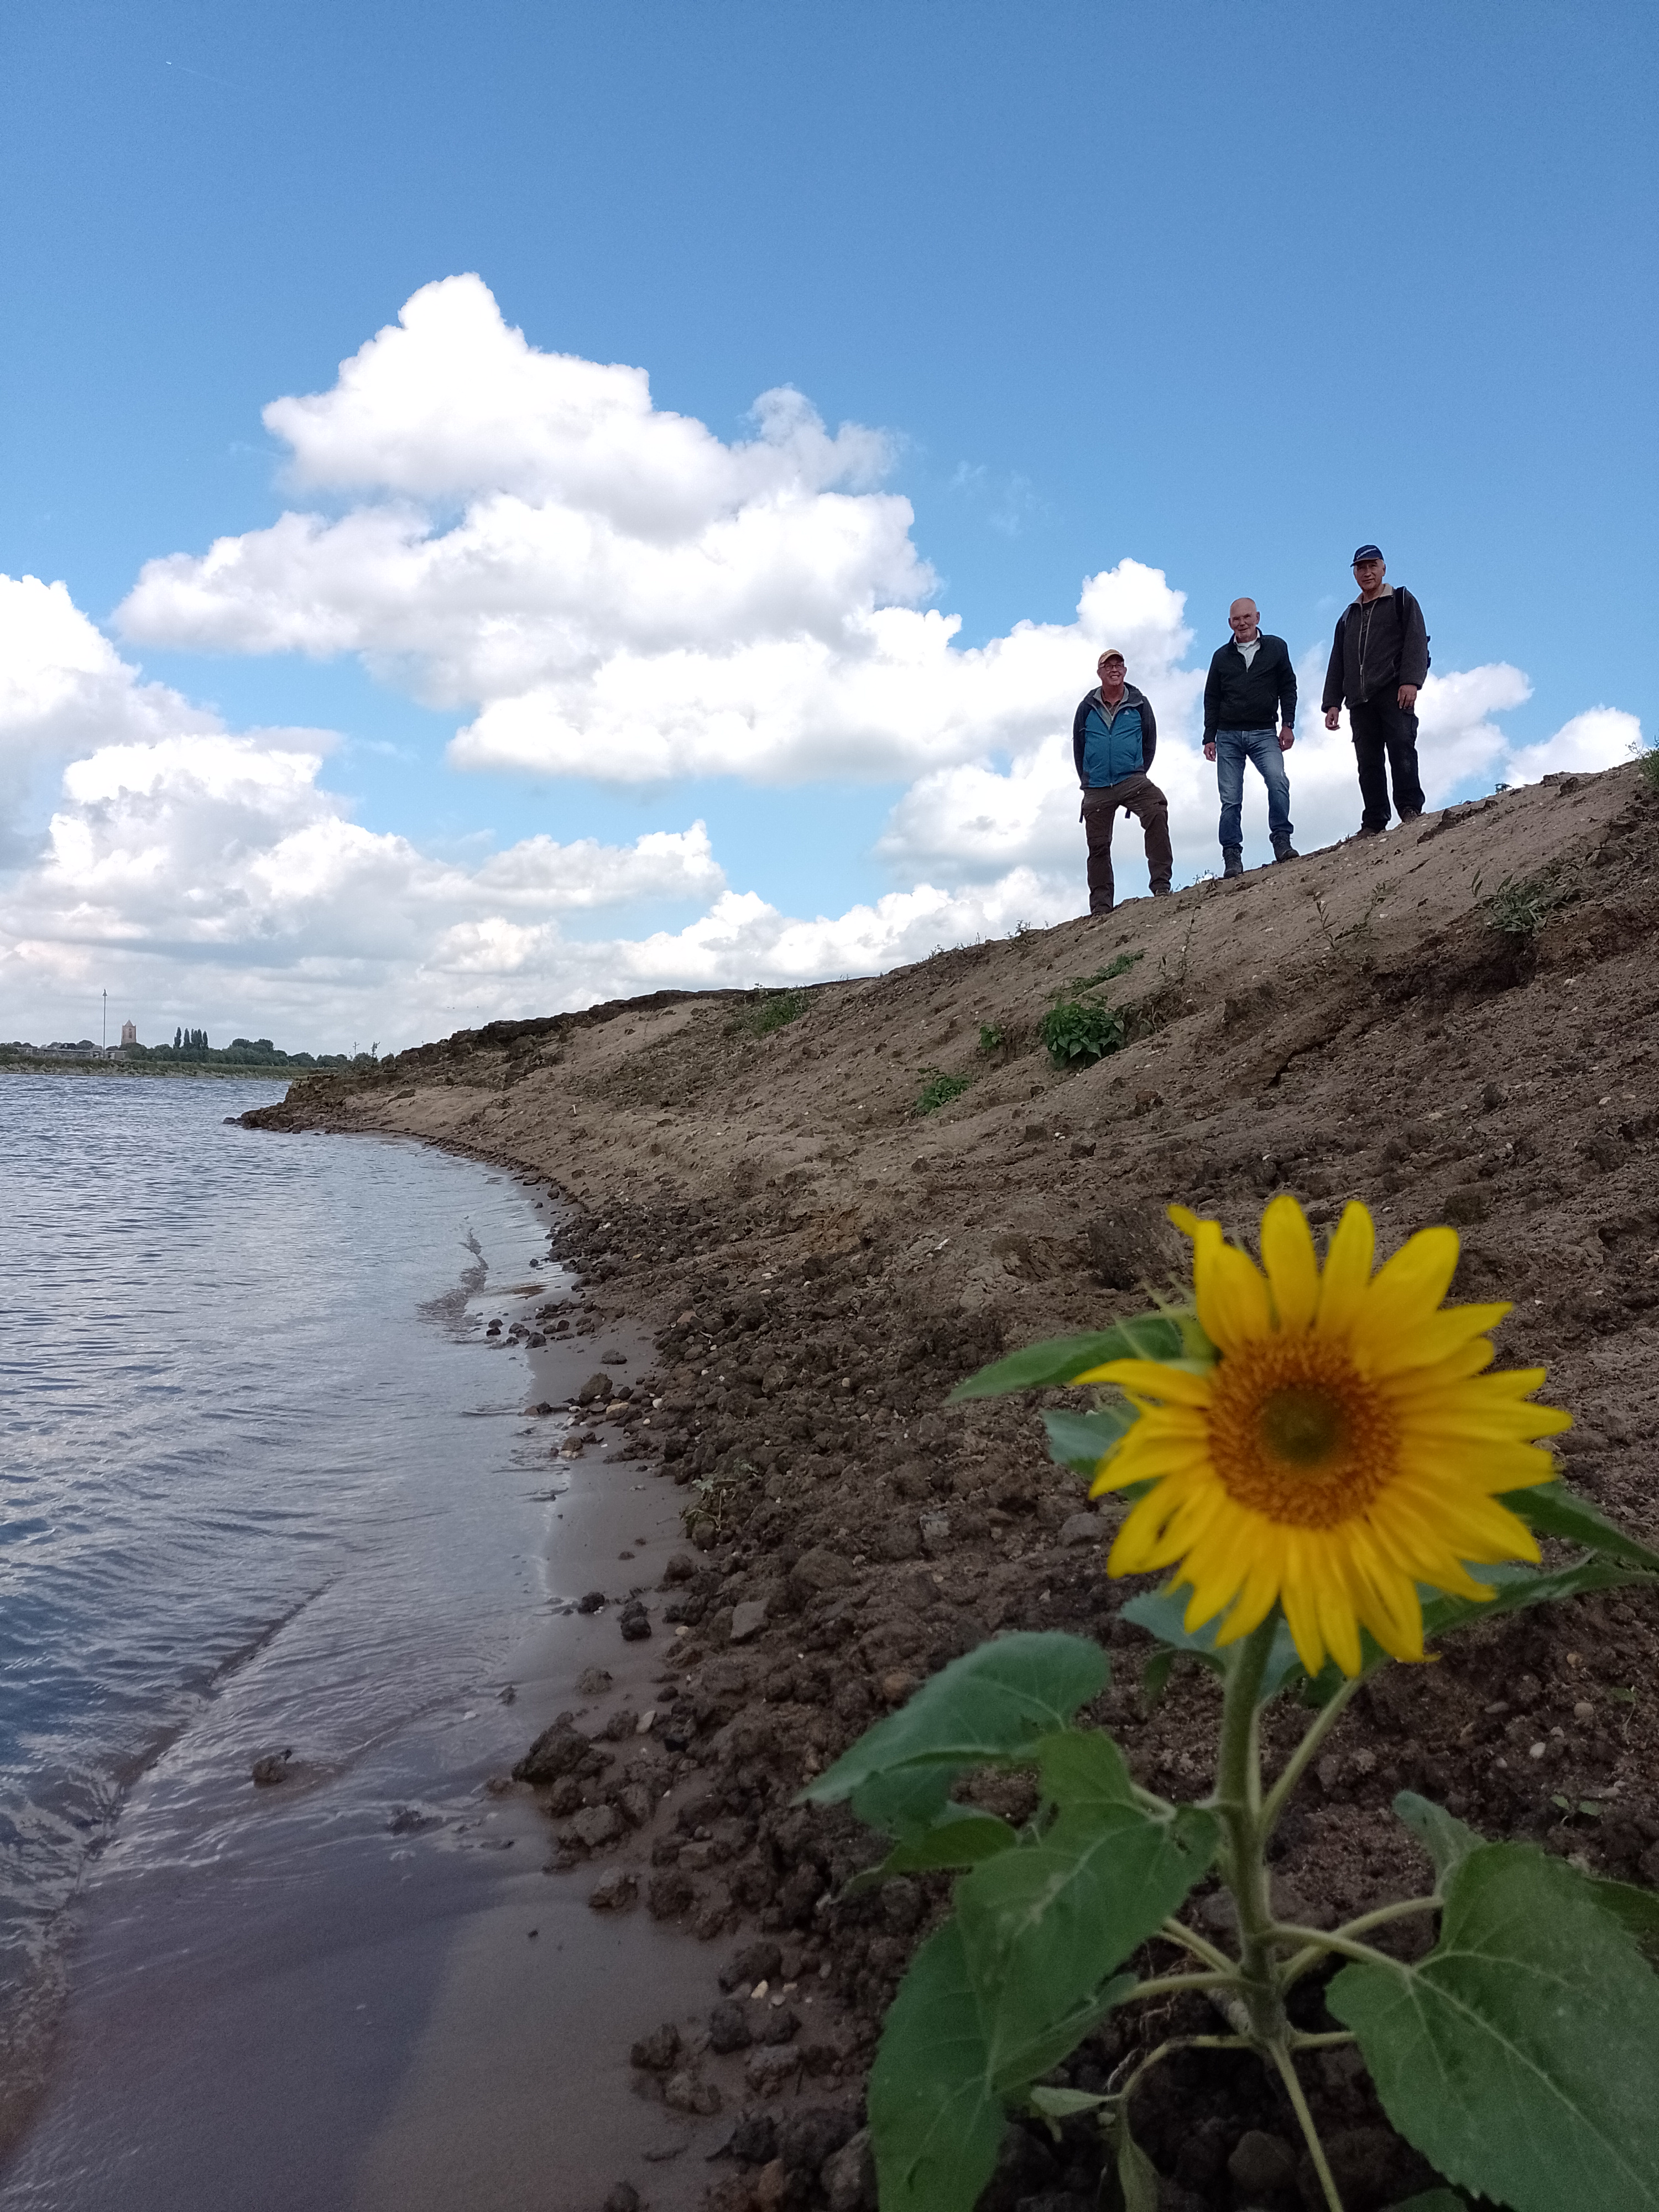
{"x": 1368, "y": 553}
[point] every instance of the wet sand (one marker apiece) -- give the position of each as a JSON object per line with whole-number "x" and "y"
{"x": 379, "y": 2025}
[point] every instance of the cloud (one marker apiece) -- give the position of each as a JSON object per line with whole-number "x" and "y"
{"x": 1600, "y": 738}
{"x": 64, "y": 688}
{"x": 192, "y": 866}
{"x": 622, "y": 594}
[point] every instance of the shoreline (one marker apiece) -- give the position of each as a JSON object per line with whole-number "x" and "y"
{"x": 471, "y": 2013}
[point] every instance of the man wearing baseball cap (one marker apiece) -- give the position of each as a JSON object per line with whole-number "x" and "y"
{"x": 1114, "y": 738}
{"x": 1379, "y": 659}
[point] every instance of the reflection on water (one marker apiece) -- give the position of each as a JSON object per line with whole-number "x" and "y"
{"x": 241, "y": 1508}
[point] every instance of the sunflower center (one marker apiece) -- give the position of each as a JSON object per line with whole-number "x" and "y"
{"x": 1299, "y": 1434}
{"x": 1302, "y": 1427}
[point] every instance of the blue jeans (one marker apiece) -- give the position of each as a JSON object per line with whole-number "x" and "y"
{"x": 1232, "y": 749}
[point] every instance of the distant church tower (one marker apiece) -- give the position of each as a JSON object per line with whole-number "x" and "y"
{"x": 129, "y": 1032}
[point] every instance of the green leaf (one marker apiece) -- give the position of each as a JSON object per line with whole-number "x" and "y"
{"x": 987, "y": 1707}
{"x": 1046, "y": 1924}
{"x": 959, "y": 1838}
{"x": 1039, "y": 1366}
{"x": 1162, "y": 1614}
{"x": 1082, "y": 1440}
{"x": 1554, "y": 1510}
{"x": 1432, "y": 2200}
{"x": 1522, "y": 2056}
{"x": 1137, "y": 2177}
{"x": 1637, "y": 1911}
{"x": 935, "y": 2122}
{"x": 1155, "y": 1680}
{"x": 905, "y": 1800}
{"x": 1442, "y": 1834}
{"x": 1515, "y": 1587}
{"x": 1064, "y": 2104}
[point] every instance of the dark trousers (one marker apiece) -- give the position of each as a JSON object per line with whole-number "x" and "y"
{"x": 1384, "y": 730}
{"x": 1143, "y": 798}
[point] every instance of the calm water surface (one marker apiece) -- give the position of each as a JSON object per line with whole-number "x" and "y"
{"x": 251, "y": 1492}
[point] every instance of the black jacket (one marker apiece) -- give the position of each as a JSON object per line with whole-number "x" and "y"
{"x": 1377, "y": 649}
{"x": 1253, "y": 698}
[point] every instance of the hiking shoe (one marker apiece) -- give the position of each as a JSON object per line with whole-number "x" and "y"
{"x": 1232, "y": 860}
{"x": 1405, "y": 819}
{"x": 1160, "y": 891}
{"x": 1283, "y": 850}
{"x": 1365, "y": 831}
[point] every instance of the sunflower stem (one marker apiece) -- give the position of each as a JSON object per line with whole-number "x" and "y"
{"x": 1283, "y": 2061}
{"x": 1302, "y": 1757}
{"x": 1237, "y": 1805}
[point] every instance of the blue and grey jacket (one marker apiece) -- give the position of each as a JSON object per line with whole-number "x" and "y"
{"x": 1109, "y": 743}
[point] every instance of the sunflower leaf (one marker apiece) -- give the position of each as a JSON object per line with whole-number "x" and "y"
{"x": 988, "y": 1707}
{"x": 1162, "y": 1614}
{"x": 1554, "y": 1510}
{"x": 1442, "y": 1834}
{"x": 1521, "y": 2055}
{"x": 935, "y": 2121}
{"x": 1155, "y": 1679}
{"x": 1136, "y": 2175}
{"x": 1149, "y": 1336}
{"x": 959, "y": 1838}
{"x": 1636, "y": 1911}
{"x": 1081, "y": 1441}
{"x": 1044, "y": 1926}
{"x": 1514, "y": 1586}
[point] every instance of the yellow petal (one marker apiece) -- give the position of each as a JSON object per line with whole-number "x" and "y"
{"x": 1149, "y": 1378}
{"x": 1297, "y": 1598}
{"x": 1232, "y": 1297}
{"x": 1347, "y": 1271}
{"x": 1287, "y": 1254}
{"x": 1397, "y": 1350}
{"x": 1406, "y": 1289}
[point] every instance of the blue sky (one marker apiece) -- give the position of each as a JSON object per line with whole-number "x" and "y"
{"x": 1216, "y": 290}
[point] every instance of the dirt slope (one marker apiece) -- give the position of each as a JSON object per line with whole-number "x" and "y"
{"x": 822, "y": 1263}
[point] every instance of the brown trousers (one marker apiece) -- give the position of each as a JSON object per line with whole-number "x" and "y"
{"x": 1141, "y": 797}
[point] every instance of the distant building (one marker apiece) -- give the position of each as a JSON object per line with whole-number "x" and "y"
{"x": 129, "y": 1032}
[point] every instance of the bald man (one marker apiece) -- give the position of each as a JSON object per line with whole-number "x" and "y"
{"x": 1250, "y": 686}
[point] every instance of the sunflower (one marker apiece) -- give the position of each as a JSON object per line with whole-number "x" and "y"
{"x": 1344, "y": 1446}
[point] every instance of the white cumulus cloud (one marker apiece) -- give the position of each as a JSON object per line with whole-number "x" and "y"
{"x": 621, "y": 593}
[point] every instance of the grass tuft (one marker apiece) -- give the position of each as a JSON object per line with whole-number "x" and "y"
{"x": 939, "y": 1089}
{"x": 1521, "y": 904}
{"x": 773, "y": 1010}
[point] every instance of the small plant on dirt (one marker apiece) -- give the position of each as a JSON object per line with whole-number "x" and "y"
{"x": 714, "y": 1498}
{"x": 772, "y": 1010}
{"x": 1121, "y": 966}
{"x": 1333, "y": 1474}
{"x": 991, "y": 1040}
{"x": 939, "y": 1089}
{"x": 1521, "y": 904}
{"x": 1077, "y": 1031}
{"x": 1647, "y": 759}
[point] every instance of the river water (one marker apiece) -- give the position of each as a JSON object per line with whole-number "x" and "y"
{"x": 259, "y": 1489}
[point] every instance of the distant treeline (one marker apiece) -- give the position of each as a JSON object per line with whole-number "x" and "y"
{"x": 189, "y": 1049}
{"x": 192, "y": 1045}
